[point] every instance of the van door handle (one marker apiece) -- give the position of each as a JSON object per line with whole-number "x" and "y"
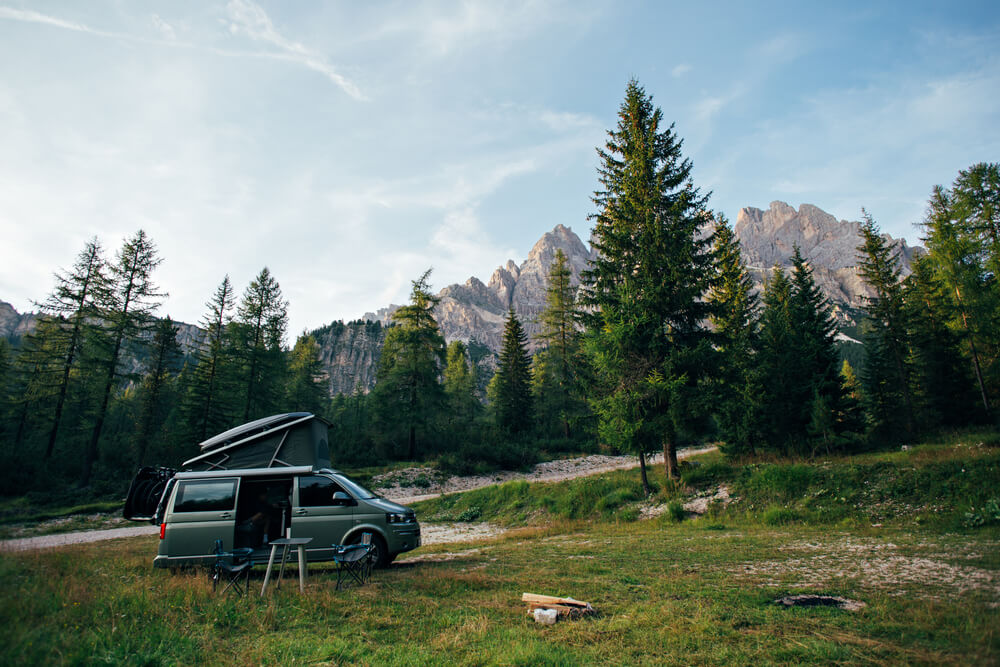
{"x": 300, "y": 512}
{"x": 226, "y": 515}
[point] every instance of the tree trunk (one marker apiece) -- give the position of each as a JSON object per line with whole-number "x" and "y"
{"x": 670, "y": 458}
{"x": 642, "y": 472}
{"x": 411, "y": 452}
{"x": 972, "y": 348}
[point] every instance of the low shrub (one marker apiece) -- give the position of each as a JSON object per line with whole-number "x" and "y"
{"x": 780, "y": 516}
{"x": 675, "y": 511}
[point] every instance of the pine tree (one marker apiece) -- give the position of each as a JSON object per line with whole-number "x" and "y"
{"x": 646, "y": 287}
{"x": 737, "y": 337}
{"x": 73, "y": 312}
{"x": 408, "y": 392}
{"x": 163, "y": 368}
{"x": 512, "y": 400}
{"x": 560, "y": 367}
{"x": 261, "y": 321}
{"x": 307, "y": 389}
{"x": 886, "y": 374}
{"x": 126, "y": 312}
{"x": 208, "y": 404}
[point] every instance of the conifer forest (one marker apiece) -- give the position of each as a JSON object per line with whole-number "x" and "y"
{"x": 666, "y": 342}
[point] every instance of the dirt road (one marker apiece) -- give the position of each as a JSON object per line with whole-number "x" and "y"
{"x": 549, "y": 471}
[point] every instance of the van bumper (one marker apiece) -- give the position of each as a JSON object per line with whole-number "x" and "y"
{"x": 405, "y": 537}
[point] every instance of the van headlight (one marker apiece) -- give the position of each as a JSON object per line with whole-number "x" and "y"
{"x": 398, "y": 517}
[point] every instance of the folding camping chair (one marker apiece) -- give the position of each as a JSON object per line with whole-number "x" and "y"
{"x": 353, "y": 562}
{"x": 233, "y": 568}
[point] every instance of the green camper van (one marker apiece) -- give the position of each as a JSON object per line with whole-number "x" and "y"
{"x": 255, "y": 483}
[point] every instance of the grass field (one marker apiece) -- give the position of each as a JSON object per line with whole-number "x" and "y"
{"x": 698, "y": 591}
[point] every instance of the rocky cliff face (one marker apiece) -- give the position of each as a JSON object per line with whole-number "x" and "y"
{"x": 14, "y": 325}
{"x": 349, "y": 354}
{"x": 830, "y": 246}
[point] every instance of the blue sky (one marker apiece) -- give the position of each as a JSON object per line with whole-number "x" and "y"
{"x": 349, "y": 146}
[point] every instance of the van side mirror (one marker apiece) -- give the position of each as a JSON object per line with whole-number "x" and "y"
{"x": 341, "y": 498}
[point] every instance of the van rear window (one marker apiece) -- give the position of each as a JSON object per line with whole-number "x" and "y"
{"x": 206, "y": 495}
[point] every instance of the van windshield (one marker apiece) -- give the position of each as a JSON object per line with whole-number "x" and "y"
{"x": 355, "y": 488}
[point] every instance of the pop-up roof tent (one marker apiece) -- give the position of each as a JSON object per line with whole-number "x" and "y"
{"x": 291, "y": 439}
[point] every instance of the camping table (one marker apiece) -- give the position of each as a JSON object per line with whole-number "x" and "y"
{"x": 286, "y": 543}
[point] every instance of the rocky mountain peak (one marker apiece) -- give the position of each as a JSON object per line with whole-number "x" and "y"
{"x": 829, "y": 245}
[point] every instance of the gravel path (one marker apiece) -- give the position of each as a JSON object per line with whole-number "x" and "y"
{"x": 549, "y": 471}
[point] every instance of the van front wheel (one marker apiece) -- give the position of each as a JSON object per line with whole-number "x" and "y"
{"x": 380, "y": 553}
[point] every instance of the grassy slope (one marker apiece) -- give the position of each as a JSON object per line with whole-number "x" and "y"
{"x": 932, "y": 484}
{"x": 697, "y": 592}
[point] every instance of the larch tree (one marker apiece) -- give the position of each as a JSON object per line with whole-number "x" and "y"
{"x": 460, "y": 385}
{"x": 165, "y": 356}
{"x": 962, "y": 227}
{"x": 260, "y": 325}
{"x": 126, "y": 313}
{"x": 73, "y": 312}
{"x": 945, "y": 391}
{"x": 207, "y": 406}
{"x": 645, "y": 289}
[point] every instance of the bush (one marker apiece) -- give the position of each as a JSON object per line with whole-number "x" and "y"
{"x": 676, "y": 512}
{"x": 780, "y": 516}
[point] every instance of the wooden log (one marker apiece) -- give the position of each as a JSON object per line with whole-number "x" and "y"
{"x": 550, "y": 600}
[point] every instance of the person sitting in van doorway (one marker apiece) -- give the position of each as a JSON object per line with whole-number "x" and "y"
{"x": 259, "y": 523}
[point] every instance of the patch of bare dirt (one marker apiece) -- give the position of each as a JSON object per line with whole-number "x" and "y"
{"x": 876, "y": 564}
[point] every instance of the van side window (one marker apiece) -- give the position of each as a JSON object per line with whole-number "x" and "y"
{"x": 206, "y": 495}
{"x": 316, "y": 491}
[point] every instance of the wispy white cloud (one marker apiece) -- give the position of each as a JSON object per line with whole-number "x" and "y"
{"x": 163, "y": 27}
{"x": 29, "y": 16}
{"x": 680, "y": 70}
{"x": 250, "y": 19}
{"x": 246, "y": 18}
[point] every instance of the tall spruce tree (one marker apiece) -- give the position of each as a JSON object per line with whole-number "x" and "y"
{"x": 781, "y": 398}
{"x": 512, "y": 399}
{"x": 646, "y": 286}
{"x": 815, "y": 375}
{"x": 72, "y": 307}
{"x": 260, "y": 325}
{"x": 408, "y": 391}
{"x": 208, "y": 403}
{"x": 127, "y": 313}
{"x": 560, "y": 370}
{"x": 736, "y": 323}
{"x": 886, "y": 376}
